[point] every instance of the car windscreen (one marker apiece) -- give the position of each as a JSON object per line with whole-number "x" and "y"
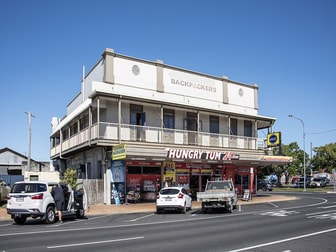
{"x": 218, "y": 185}
{"x": 28, "y": 188}
{"x": 169, "y": 191}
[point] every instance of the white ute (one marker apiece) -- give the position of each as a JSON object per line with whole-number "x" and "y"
{"x": 218, "y": 194}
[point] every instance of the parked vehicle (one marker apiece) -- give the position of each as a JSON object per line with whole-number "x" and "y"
{"x": 34, "y": 199}
{"x": 300, "y": 182}
{"x": 317, "y": 182}
{"x": 264, "y": 185}
{"x": 326, "y": 180}
{"x": 4, "y": 190}
{"x": 173, "y": 198}
{"x": 218, "y": 194}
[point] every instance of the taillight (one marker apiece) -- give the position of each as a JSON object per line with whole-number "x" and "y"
{"x": 37, "y": 196}
{"x": 8, "y": 197}
{"x": 180, "y": 196}
{"x": 158, "y": 196}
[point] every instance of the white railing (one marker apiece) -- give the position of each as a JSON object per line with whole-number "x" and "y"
{"x": 110, "y": 131}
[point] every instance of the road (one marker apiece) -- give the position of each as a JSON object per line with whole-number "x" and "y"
{"x": 307, "y": 224}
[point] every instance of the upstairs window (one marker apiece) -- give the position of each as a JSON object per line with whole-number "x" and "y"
{"x": 214, "y": 124}
{"x": 233, "y": 127}
{"x": 247, "y": 128}
{"x": 169, "y": 118}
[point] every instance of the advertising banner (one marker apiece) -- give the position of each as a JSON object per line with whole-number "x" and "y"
{"x": 119, "y": 152}
{"x": 118, "y": 171}
{"x": 169, "y": 173}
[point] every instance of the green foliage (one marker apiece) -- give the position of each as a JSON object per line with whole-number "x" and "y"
{"x": 325, "y": 158}
{"x": 70, "y": 177}
{"x": 296, "y": 167}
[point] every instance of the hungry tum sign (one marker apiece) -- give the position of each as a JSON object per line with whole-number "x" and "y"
{"x": 201, "y": 155}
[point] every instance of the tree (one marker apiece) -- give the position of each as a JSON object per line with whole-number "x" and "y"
{"x": 294, "y": 168}
{"x": 325, "y": 158}
{"x": 70, "y": 177}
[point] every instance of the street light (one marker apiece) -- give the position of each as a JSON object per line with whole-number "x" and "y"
{"x": 29, "y": 137}
{"x": 304, "y": 151}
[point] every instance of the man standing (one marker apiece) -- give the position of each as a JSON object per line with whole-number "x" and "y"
{"x": 58, "y": 195}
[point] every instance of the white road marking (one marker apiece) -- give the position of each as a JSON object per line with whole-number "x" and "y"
{"x": 327, "y": 207}
{"x": 331, "y": 216}
{"x": 140, "y": 218}
{"x": 91, "y": 243}
{"x": 281, "y": 213}
{"x": 273, "y": 204}
{"x": 284, "y": 240}
{"x": 329, "y": 211}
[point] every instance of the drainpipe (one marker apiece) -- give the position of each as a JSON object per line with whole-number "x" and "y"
{"x": 90, "y": 124}
{"x": 119, "y": 119}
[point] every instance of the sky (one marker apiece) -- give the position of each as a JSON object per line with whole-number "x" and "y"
{"x": 286, "y": 47}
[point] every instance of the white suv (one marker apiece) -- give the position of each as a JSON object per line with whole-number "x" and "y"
{"x": 34, "y": 199}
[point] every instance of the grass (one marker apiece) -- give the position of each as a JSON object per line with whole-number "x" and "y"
{"x": 308, "y": 189}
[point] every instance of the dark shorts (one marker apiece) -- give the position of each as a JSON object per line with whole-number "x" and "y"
{"x": 59, "y": 205}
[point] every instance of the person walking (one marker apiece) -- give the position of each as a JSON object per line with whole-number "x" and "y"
{"x": 58, "y": 195}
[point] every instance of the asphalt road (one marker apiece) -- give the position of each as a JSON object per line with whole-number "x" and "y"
{"x": 307, "y": 224}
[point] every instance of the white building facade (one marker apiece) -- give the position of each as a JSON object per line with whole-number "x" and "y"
{"x": 175, "y": 126}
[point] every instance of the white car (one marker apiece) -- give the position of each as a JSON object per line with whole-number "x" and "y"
{"x": 34, "y": 199}
{"x": 173, "y": 198}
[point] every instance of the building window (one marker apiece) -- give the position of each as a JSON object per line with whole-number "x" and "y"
{"x": 151, "y": 170}
{"x": 233, "y": 127}
{"x": 84, "y": 122}
{"x": 134, "y": 169}
{"x": 168, "y": 118}
{"x": 74, "y": 129}
{"x": 65, "y": 133}
{"x": 137, "y": 115}
{"x": 214, "y": 124}
{"x": 248, "y": 128}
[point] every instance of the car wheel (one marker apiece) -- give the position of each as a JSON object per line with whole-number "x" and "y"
{"x": 50, "y": 215}
{"x": 264, "y": 188}
{"x": 158, "y": 210}
{"x": 229, "y": 207}
{"x": 190, "y": 207}
{"x": 20, "y": 220}
{"x": 184, "y": 210}
{"x": 80, "y": 213}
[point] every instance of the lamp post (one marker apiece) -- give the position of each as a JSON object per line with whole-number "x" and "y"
{"x": 29, "y": 137}
{"x": 304, "y": 151}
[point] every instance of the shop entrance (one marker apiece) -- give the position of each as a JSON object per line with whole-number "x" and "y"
{"x": 198, "y": 183}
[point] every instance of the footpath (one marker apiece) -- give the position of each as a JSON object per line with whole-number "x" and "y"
{"x": 102, "y": 209}
{"x": 151, "y": 207}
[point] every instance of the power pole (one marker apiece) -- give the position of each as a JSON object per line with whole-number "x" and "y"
{"x": 29, "y": 137}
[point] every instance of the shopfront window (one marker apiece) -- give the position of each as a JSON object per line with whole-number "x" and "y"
{"x": 152, "y": 170}
{"x": 134, "y": 169}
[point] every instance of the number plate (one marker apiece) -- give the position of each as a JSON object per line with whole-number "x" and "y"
{"x": 19, "y": 199}
{"x": 168, "y": 199}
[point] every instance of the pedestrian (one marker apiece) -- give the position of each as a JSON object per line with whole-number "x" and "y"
{"x": 58, "y": 195}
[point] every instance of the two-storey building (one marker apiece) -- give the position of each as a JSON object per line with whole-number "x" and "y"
{"x": 138, "y": 125}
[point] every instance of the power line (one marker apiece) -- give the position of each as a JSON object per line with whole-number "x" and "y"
{"x": 321, "y": 132}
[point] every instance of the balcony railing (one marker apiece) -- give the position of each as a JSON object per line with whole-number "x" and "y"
{"x": 110, "y": 131}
